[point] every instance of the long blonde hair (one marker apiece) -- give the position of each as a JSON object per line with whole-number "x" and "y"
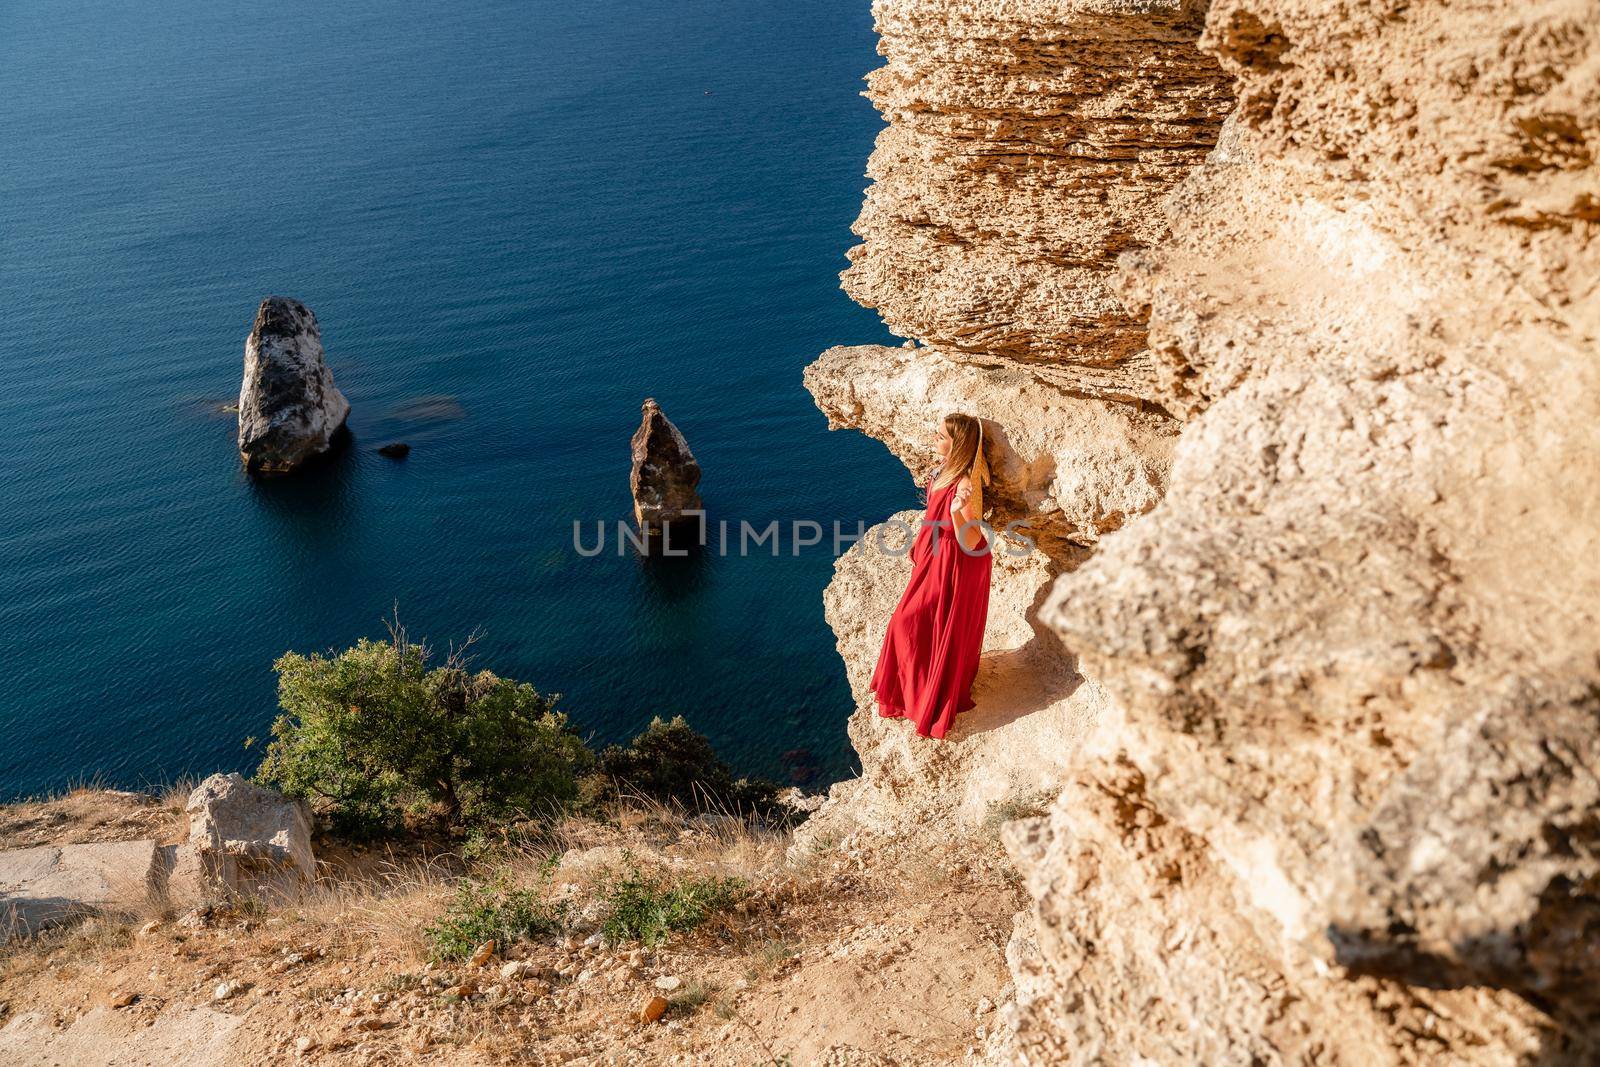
{"x": 966, "y": 452}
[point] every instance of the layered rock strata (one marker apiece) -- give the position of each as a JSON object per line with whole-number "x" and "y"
{"x": 1004, "y": 186}
{"x": 1027, "y": 145}
{"x": 1008, "y": 179}
{"x": 1334, "y": 799}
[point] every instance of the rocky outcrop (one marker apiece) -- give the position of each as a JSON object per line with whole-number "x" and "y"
{"x": 1013, "y": 747}
{"x": 1479, "y": 866}
{"x": 1006, "y": 184}
{"x": 1028, "y": 144}
{"x": 289, "y": 409}
{"x": 1335, "y": 801}
{"x": 1066, "y": 471}
{"x": 50, "y": 884}
{"x": 244, "y": 840}
{"x": 664, "y": 475}
{"x": 1355, "y": 628}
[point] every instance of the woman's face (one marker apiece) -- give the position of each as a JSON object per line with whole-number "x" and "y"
{"x": 941, "y": 439}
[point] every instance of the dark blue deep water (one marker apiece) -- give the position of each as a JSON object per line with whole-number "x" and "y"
{"x": 514, "y": 220}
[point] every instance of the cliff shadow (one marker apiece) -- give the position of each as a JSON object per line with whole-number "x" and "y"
{"x": 1009, "y": 475}
{"x": 1016, "y": 682}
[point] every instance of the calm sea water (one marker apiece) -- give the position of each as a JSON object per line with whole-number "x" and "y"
{"x": 514, "y": 221}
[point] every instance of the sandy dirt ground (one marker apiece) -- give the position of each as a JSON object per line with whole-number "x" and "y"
{"x": 888, "y": 953}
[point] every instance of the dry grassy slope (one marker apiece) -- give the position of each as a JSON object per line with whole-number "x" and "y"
{"x": 1334, "y": 801}
{"x": 845, "y": 954}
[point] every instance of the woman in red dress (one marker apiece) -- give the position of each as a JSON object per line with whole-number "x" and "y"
{"x": 930, "y": 654}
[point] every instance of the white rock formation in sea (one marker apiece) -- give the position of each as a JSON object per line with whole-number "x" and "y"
{"x": 1287, "y": 311}
{"x": 289, "y": 409}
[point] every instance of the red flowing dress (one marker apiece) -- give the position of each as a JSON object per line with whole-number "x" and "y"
{"x": 930, "y": 654}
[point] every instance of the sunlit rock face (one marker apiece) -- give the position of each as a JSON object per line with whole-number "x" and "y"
{"x": 290, "y": 412}
{"x": 665, "y": 475}
{"x": 1303, "y": 407}
{"x": 1028, "y": 144}
{"x": 1355, "y": 645}
{"x": 1065, "y": 471}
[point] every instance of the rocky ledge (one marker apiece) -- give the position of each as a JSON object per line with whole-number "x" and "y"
{"x": 1287, "y": 312}
{"x": 241, "y": 840}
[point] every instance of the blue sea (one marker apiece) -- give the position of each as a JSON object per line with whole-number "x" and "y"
{"x": 514, "y": 221}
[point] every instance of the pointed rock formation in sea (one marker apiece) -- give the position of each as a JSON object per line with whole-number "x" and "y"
{"x": 664, "y": 476}
{"x": 289, "y": 409}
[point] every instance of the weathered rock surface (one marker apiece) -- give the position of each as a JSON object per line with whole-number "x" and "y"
{"x": 1375, "y": 526}
{"x": 1067, "y": 470}
{"x": 289, "y": 409}
{"x": 1335, "y": 799}
{"x": 1029, "y": 142}
{"x": 1013, "y": 747}
{"x": 48, "y": 884}
{"x": 105, "y": 1037}
{"x": 244, "y": 840}
{"x": 665, "y": 474}
{"x": 1479, "y": 866}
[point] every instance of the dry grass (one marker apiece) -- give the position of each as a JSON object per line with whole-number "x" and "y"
{"x": 385, "y": 902}
{"x": 717, "y": 843}
{"x": 383, "y": 905}
{"x": 773, "y": 953}
{"x": 763, "y": 982}
{"x": 1027, "y": 805}
{"x": 82, "y": 942}
{"x": 367, "y": 913}
{"x": 87, "y": 813}
{"x": 174, "y": 796}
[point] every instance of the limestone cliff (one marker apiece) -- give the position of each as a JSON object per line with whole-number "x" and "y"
{"x": 1302, "y": 408}
{"x": 1028, "y": 142}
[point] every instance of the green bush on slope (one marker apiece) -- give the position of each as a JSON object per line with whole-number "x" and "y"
{"x": 672, "y": 763}
{"x": 374, "y": 735}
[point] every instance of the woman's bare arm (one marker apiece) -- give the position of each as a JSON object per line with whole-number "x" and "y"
{"x": 966, "y": 506}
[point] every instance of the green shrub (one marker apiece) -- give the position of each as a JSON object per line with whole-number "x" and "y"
{"x": 652, "y": 907}
{"x": 491, "y": 911}
{"x": 373, "y": 734}
{"x": 673, "y": 763}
